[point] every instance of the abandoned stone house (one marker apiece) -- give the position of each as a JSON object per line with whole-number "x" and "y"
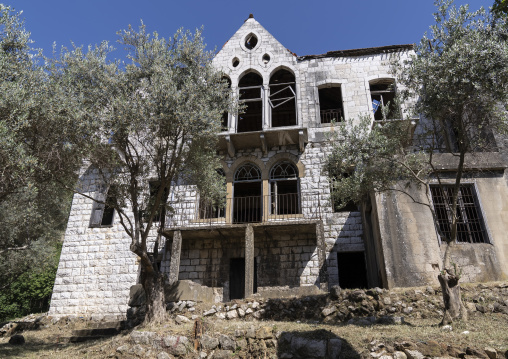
{"x": 279, "y": 231}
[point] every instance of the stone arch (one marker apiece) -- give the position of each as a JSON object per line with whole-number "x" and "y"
{"x": 282, "y": 98}
{"x": 252, "y": 68}
{"x": 285, "y": 156}
{"x": 230, "y": 172}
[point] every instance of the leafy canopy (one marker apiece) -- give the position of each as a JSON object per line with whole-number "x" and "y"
{"x": 459, "y": 77}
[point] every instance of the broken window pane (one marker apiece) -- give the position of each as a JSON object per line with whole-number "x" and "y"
{"x": 382, "y": 93}
{"x": 283, "y": 99}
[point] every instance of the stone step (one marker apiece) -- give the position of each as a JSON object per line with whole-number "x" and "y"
{"x": 119, "y": 324}
{"x": 80, "y": 339}
{"x": 95, "y": 332}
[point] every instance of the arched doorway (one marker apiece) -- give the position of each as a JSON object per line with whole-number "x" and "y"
{"x": 247, "y": 194}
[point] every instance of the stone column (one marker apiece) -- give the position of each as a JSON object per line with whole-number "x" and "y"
{"x": 176, "y": 249}
{"x": 249, "y": 261}
{"x": 321, "y": 250}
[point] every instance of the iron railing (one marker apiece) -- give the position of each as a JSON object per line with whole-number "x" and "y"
{"x": 327, "y": 116}
{"x": 292, "y": 207}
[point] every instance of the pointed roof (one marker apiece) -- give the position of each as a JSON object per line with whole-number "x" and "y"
{"x": 252, "y": 45}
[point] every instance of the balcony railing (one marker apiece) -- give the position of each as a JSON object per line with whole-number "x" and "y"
{"x": 292, "y": 207}
{"x": 327, "y": 116}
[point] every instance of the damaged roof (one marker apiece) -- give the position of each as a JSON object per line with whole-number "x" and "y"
{"x": 360, "y": 52}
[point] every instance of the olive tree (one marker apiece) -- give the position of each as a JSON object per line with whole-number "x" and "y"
{"x": 459, "y": 78}
{"x": 156, "y": 121}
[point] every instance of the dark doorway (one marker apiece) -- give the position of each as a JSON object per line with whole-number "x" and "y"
{"x": 352, "y": 270}
{"x": 247, "y": 206}
{"x": 236, "y": 278}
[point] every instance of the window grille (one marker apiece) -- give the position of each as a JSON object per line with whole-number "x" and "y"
{"x": 470, "y": 224}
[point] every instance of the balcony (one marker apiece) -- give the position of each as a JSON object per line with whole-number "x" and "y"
{"x": 291, "y": 208}
{"x": 264, "y": 139}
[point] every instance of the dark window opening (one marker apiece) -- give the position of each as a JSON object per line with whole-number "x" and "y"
{"x": 470, "y": 224}
{"x": 251, "y": 94}
{"x": 251, "y": 41}
{"x": 247, "y": 203}
{"x": 284, "y": 191}
{"x": 266, "y": 58}
{"x": 283, "y": 99}
{"x": 209, "y": 208}
{"x": 382, "y": 93}
{"x": 236, "y": 62}
{"x": 102, "y": 210}
{"x": 352, "y": 270}
{"x": 330, "y": 104}
{"x": 225, "y": 115}
{"x": 109, "y": 211}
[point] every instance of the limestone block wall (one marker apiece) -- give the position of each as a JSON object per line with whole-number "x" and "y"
{"x": 96, "y": 267}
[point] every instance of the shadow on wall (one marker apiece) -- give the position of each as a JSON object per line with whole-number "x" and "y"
{"x": 314, "y": 344}
{"x": 347, "y": 262}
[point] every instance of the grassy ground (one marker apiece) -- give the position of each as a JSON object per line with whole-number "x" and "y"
{"x": 480, "y": 331}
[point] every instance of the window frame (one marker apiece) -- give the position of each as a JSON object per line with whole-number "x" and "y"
{"x": 275, "y": 207}
{"x": 260, "y": 100}
{"x": 278, "y": 88}
{"x": 381, "y": 81}
{"x": 478, "y": 206}
{"x": 326, "y": 86}
{"x": 101, "y": 194}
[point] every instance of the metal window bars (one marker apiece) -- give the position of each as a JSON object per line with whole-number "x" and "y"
{"x": 470, "y": 225}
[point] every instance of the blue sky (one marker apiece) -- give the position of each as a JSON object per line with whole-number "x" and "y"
{"x": 304, "y": 27}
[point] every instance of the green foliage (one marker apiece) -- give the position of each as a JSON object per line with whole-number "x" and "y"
{"x": 30, "y": 292}
{"x": 460, "y": 77}
{"x": 367, "y": 158}
{"x": 500, "y": 8}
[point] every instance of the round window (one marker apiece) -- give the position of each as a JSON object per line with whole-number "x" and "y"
{"x": 251, "y": 41}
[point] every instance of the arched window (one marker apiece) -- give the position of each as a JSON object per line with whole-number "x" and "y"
{"x": 251, "y": 94}
{"x": 247, "y": 190}
{"x": 225, "y": 115}
{"x": 382, "y": 93}
{"x": 213, "y": 208}
{"x": 284, "y": 189}
{"x": 283, "y": 98}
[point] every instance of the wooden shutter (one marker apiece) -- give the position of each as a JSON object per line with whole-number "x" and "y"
{"x": 98, "y": 208}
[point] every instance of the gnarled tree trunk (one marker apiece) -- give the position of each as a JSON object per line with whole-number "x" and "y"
{"x": 453, "y": 307}
{"x": 153, "y": 283}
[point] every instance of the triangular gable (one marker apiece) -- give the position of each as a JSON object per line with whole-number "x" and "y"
{"x": 235, "y": 57}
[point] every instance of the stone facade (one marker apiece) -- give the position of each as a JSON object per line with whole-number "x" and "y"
{"x": 289, "y": 247}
